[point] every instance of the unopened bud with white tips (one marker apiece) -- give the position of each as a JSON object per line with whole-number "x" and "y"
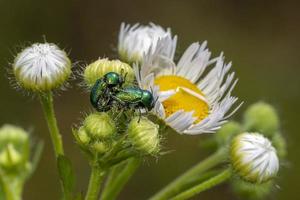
{"x": 253, "y": 157}
{"x": 135, "y": 41}
{"x": 42, "y": 67}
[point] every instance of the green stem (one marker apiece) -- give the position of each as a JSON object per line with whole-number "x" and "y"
{"x": 94, "y": 183}
{"x": 198, "y": 179}
{"x": 114, "y": 187}
{"x": 47, "y": 104}
{"x": 220, "y": 178}
{"x": 11, "y": 187}
{"x": 120, "y": 158}
{"x": 112, "y": 175}
{"x": 179, "y": 183}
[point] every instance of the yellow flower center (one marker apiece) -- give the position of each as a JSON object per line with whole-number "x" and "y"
{"x": 182, "y": 100}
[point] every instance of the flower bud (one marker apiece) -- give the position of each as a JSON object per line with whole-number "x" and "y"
{"x": 227, "y": 132}
{"x": 279, "y": 143}
{"x": 91, "y": 144}
{"x": 261, "y": 117}
{"x": 135, "y": 41}
{"x": 144, "y": 135}
{"x": 100, "y": 125}
{"x": 12, "y": 134}
{"x": 14, "y": 147}
{"x": 83, "y": 136}
{"x": 100, "y": 67}
{"x": 253, "y": 157}
{"x": 42, "y": 67}
{"x": 100, "y": 147}
{"x": 10, "y": 157}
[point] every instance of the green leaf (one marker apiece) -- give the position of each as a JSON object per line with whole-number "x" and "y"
{"x": 66, "y": 175}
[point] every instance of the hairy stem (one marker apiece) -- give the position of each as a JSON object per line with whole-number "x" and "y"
{"x": 47, "y": 104}
{"x": 179, "y": 183}
{"x": 220, "y": 178}
{"x": 46, "y": 100}
{"x": 114, "y": 187}
{"x": 94, "y": 183}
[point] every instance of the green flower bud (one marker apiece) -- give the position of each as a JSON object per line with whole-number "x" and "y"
{"x": 10, "y": 157}
{"x": 92, "y": 145}
{"x": 42, "y": 67}
{"x": 100, "y": 147}
{"x": 14, "y": 147}
{"x": 99, "y": 68}
{"x": 100, "y": 125}
{"x": 14, "y": 135}
{"x": 279, "y": 143}
{"x": 227, "y": 132}
{"x": 253, "y": 157}
{"x": 83, "y": 136}
{"x": 144, "y": 135}
{"x": 261, "y": 117}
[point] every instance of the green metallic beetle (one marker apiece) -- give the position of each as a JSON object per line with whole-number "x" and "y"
{"x": 103, "y": 89}
{"x": 134, "y": 98}
{"x": 108, "y": 91}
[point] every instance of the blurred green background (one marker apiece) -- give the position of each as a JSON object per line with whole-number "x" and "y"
{"x": 260, "y": 37}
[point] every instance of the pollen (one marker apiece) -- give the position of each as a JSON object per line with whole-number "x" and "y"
{"x": 182, "y": 100}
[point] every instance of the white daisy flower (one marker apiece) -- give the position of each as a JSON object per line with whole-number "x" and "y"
{"x": 136, "y": 40}
{"x": 253, "y": 157}
{"x": 42, "y": 67}
{"x": 194, "y": 95}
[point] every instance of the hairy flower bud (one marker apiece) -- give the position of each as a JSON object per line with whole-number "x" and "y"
{"x": 97, "y": 134}
{"x": 42, "y": 67}
{"x": 83, "y": 136}
{"x": 100, "y": 67}
{"x": 144, "y": 135}
{"x": 253, "y": 157}
{"x": 100, "y": 125}
{"x": 261, "y": 117}
{"x": 100, "y": 147}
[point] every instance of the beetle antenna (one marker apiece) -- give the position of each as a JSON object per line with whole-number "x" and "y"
{"x": 156, "y": 99}
{"x": 151, "y": 89}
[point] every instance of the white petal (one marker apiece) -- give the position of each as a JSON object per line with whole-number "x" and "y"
{"x": 180, "y": 120}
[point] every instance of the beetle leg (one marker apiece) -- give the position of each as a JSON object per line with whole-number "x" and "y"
{"x": 140, "y": 115}
{"x": 119, "y": 114}
{"x": 119, "y": 100}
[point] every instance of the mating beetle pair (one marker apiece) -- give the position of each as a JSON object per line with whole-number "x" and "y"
{"x": 108, "y": 91}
